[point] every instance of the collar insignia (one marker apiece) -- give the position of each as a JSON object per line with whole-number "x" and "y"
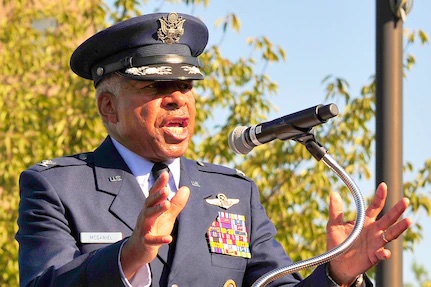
{"x": 171, "y": 28}
{"x": 195, "y": 183}
{"x": 115, "y": 178}
{"x": 222, "y": 201}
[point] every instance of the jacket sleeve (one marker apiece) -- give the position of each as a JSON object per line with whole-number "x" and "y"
{"x": 48, "y": 252}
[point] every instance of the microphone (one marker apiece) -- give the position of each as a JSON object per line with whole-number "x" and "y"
{"x": 243, "y": 139}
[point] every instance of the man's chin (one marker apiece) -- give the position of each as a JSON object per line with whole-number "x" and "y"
{"x": 174, "y": 150}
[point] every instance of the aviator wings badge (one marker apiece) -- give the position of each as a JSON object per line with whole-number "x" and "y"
{"x": 222, "y": 201}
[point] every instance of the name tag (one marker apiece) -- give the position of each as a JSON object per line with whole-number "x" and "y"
{"x": 100, "y": 237}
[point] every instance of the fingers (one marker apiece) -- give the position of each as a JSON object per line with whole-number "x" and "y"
{"x": 178, "y": 202}
{"x": 395, "y": 230}
{"x": 378, "y": 201}
{"x": 389, "y": 225}
{"x": 160, "y": 183}
{"x": 157, "y": 201}
{"x": 388, "y": 221}
{"x": 392, "y": 215}
{"x": 156, "y": 241}
{"x": 382, "y": 254}
{"x": 335, "y": 209}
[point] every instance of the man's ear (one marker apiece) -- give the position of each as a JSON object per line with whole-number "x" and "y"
{"x": 107, "y": 105}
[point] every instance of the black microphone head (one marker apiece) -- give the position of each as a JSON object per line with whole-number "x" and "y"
{"x": 237, "y": 142}
{"x": 324, "y": 113}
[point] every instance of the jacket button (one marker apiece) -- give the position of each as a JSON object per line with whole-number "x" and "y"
{"x": 229, "y": 283}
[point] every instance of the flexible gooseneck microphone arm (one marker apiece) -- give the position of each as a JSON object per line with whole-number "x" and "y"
{"x": 320, "y": 153}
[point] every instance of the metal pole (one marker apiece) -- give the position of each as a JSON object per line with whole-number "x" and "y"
{"x": 389, "y": 135}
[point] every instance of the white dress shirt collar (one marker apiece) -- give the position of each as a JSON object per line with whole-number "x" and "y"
{"x": 141, "y": 167}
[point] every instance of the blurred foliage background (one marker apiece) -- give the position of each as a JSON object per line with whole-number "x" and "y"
{"x": 47, "y": 111}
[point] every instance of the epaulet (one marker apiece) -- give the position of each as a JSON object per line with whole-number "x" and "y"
{"x": 209, "y": 167}
{"x": 72, "y": 160}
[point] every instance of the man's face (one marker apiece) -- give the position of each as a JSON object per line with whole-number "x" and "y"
{"x": 153, "y": 119}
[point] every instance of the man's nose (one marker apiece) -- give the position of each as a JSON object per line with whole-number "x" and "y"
{"x": 174, "y": 99}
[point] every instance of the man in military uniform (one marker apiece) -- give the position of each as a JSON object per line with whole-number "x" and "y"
{"x": 135, "y": 212}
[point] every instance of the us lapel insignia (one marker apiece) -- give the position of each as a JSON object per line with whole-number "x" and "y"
{"x": 115, "y": 178}
{"x": 222, "y": 201}
{"x": 195, "y": 183}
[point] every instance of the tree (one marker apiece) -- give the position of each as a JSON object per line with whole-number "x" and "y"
{"x": 46, "y": 111}
{"x": 421, "y": 275}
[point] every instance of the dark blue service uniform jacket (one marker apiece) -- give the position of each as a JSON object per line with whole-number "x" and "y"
{"x": 96, "y": 192}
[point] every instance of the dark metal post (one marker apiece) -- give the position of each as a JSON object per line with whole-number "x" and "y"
{"x": 389, "y": 135}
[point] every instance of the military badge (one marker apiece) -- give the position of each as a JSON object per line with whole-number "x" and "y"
{"x": 222, "y": 201}
{"x": 171, "y": 28}
{"x": 228, "y": 235}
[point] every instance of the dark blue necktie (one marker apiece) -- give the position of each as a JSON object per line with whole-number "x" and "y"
{"x": 160, "y": 267}
{"x": 158, "y": 169}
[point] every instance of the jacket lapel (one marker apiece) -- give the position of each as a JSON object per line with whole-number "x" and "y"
{"x": 196, "y": 217}
{"x": 113, "y": 176}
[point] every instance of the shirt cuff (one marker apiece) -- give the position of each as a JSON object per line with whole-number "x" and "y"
{"x": 142, "y": 277}
{"x": 359, "y": 282}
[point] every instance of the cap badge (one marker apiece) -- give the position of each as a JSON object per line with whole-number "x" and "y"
{"x": 171, "y": 28}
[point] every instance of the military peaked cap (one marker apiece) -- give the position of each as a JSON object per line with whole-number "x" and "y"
{"x": 153, "y": 47}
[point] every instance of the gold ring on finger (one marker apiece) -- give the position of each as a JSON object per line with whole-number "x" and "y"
{"x": 384, "y": 237}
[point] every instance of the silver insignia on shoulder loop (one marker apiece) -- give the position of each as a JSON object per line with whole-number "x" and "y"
{"x": 171, "y": 28}
{"x": 82, "y": 156}
{"x": 222, "y": 201}
{"x": 240, "y": 172}
{"x": 46, "y": 163}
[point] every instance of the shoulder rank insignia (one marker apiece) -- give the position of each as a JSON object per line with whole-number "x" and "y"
{"x": 171, "y": 28}
{"x": 46, "y": 163}
{"x": 222, "y": 201}
{"x": 240, "y": 172}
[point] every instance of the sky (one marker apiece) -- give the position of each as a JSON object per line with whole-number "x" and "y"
{"x": 338, "y": 38}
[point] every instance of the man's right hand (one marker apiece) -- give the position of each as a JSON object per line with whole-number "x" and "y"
{"x": 154, "y": 225}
